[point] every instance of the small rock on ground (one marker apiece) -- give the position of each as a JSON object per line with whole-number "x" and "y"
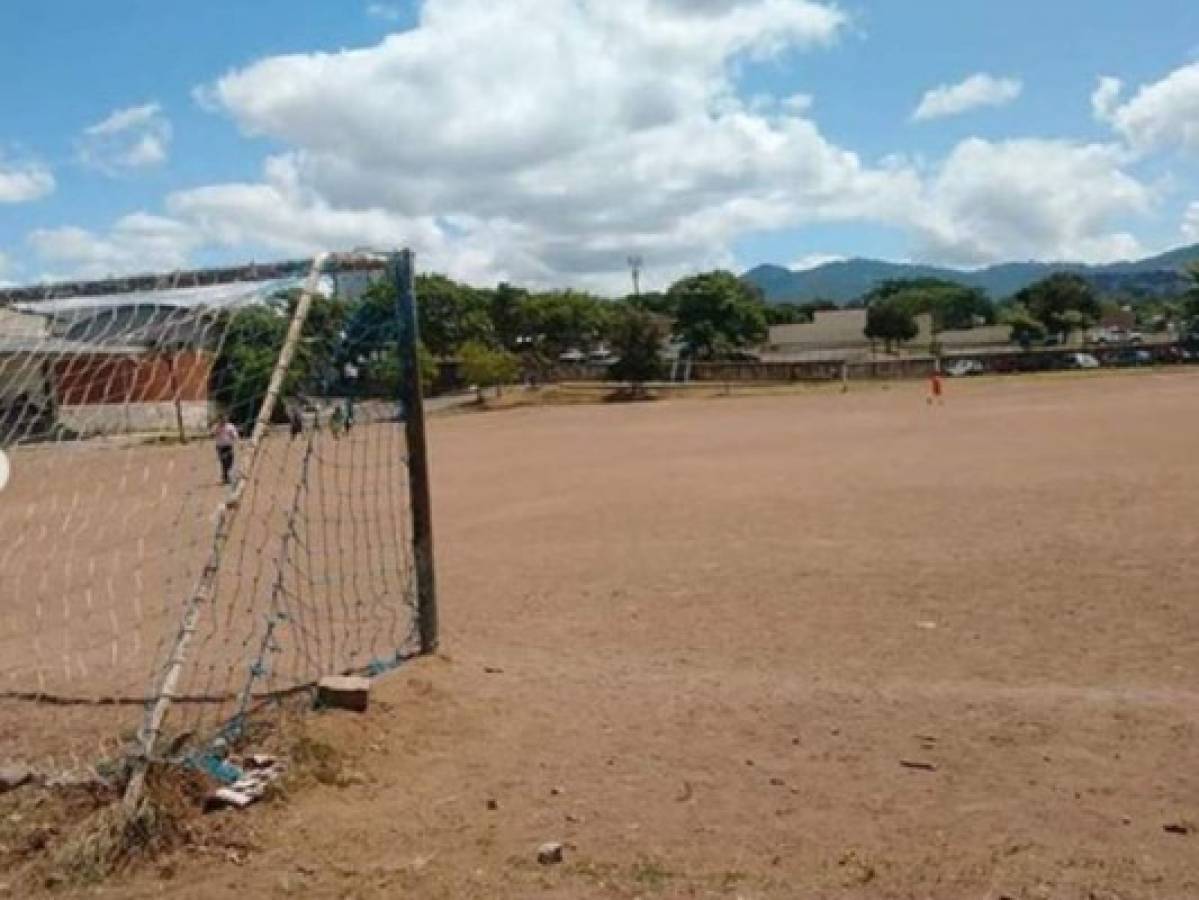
{"x": 550, "y": 854}
{"x": 13, "y": 777}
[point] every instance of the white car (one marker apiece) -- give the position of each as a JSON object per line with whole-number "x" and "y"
{"x": 1081, "y": 361}
{"x": 960, "y": 368}
{"x": 1117, "y": 335}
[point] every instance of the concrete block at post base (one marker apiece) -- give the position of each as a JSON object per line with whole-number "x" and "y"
{"x": 343, "y": 692}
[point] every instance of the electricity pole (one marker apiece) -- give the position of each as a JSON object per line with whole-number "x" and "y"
{"x": 636, "y": 264}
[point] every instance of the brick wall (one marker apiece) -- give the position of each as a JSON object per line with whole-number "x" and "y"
{"x": 103, "y": 379}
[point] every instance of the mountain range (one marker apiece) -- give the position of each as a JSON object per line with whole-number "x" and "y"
{"x": 1157, "y": 276}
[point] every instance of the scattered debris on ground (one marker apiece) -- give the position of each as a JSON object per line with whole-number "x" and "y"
{"x": 262, "y": 772}
{"x": 550, "y": 854}
{"x": 13, "y": 777}
{"x": 351, "y": 694}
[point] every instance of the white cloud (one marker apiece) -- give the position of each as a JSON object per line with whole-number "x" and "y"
{"x": 1106, "y": 98}
{"x": 799, "y": 103}
{"x": 138, "y": 242}
{"x": 637, "y": 143}
{"x": 616, "y": 129}
{"x": 1190, "y": 224}
{"x": 123, "y": 120}
{"x": 23, "y": 182}
{"x": 138, "y": 137}
{"x": 977, "y": 91}
{"x": 1161, "y": 115}
{"x": 815, "y": 261}
{"x": 1031, "y": 199}
{"x": 386, "y": 12}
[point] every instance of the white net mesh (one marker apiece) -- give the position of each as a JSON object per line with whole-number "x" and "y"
{"x": 116, "y": 520}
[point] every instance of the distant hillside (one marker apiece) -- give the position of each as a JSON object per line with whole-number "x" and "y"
{"x": 844, "y": 281}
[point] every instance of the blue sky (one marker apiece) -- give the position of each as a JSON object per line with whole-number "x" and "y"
{"x": 545, "y": 140}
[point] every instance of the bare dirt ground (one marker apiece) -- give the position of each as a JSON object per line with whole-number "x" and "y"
{"x": 102, "y": 544}
{"x": 797, "y": 646}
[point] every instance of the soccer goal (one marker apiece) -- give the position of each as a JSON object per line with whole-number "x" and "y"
{"x": 217, "y": 495}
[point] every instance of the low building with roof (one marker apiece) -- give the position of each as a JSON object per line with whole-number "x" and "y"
{"x": 115, "y": 364}
{"x": 841, "y": 335}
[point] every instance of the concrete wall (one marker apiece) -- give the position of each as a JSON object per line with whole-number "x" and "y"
{"x": 776, "y": 372}
{"x": 828, "y": 330}
{"x": 791, "y": 372}
{"x": 93, "y": 420}
{"x": 842, "y": 329}
{"x": 983, "y": 336}
{"x": 19, "y": 377}
{"x": 13, "y": 323}
{"x": 20, "y": 374}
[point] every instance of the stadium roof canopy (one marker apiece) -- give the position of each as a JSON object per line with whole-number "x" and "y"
{"x": 19, "y": 345}
{"x": 213, "y": 296}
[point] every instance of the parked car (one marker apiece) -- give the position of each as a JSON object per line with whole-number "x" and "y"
{"x": 960, "y": 368}
{"x": 1117, "y": 335}
{"x": 1129, "y": 358}
{"x": 1080, "y": 361}
{"x": 573, "y": 356}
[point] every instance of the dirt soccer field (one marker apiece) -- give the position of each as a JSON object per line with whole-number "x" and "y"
{"x": 103, "y": 542}
{"x": 801, "y": 646}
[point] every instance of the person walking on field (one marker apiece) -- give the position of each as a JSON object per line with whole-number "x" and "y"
{"x": 226, "y": 437}
{"x": 936, "y": 390}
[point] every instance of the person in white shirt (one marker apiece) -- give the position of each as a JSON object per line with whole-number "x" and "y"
{"x": 226, "y": 446}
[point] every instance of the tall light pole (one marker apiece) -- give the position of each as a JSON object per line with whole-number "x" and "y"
{"x": 636, "y": 264}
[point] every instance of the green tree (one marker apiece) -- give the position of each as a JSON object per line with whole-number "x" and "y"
{"x": 1155, "y": 314}
{"x": 372, "y": 335}
{"x": 785, "y": 314}
{"x": 448, "y": 315}
{"x": 790, "y": 313}
{"x": 811, "y": 307}
{"x": 253, "y": 339}
{"x": 1063, "y": 303}
{"x": 242, "y": 369}
{"x": 504, "y": 305}
{"x": 891, "y": 323}
{"x": 383, "y": 371}
{"x": 1190, "y": 302}
{"x": 637, "y": 341}
{"x": 952, "y": 306}
{"x": 717, "y": 313}
{"x": 486, "y": 367}
{"x": 655, "y": 302}
{"x": 372, "y": 326}
{"x": 557, "y": 321}
{"x": 1026, "y": 330}
{"x": 451, "y": 314}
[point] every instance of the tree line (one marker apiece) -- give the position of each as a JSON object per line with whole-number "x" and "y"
{"x": 500, "y": 334}
{"x": 496, "y": 335}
